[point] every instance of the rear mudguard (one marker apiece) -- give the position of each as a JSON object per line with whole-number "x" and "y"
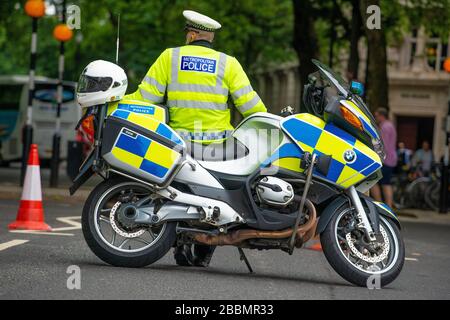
{"x": 86, "y": 171}
{"x": 375, "y": 210}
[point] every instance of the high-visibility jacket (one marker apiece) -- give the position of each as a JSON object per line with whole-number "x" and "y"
{"x": 195, "y": 82}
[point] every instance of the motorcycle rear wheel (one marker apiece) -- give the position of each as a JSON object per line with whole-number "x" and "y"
{"x": 96, "y": 218}
{"x": 355, "y": 268}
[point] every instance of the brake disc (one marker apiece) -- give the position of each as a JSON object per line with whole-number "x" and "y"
{"x": 368, "y": 258}
{"x": 119, "y": 231}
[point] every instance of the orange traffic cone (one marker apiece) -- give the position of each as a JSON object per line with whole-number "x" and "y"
{"x": 30, "y": 215}
{"x": 316, "y": 246}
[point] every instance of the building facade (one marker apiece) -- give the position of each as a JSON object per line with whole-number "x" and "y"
{"x": 419, "y": 90}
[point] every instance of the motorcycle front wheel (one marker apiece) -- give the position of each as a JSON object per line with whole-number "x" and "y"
{"x": 119, "y": 242}
{"x": 363, "y": 263}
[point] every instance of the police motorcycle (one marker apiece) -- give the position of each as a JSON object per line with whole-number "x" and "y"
{"x": 281, "y": 181}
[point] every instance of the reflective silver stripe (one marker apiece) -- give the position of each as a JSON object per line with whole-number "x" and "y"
{"x": 207, "y": 135}
{"x": 197, "y": 104}
{"x": 153, "y": 82}
{"x": 221, "y": 70}
{"x": 187, "y": 87}
{"x": 175, "y": 60}
{"x": 248, "y": 105}
{"x": 152, "y": 97}
{"x": 241, "y": 92}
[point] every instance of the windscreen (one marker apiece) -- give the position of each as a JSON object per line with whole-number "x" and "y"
{"x": 343, "y": 88}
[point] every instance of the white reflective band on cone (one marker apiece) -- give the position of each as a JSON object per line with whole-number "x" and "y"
{"x": 32, "y": 185}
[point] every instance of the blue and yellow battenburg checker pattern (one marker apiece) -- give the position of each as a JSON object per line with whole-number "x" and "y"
{"x": 313, "y": 135}
{"x": 139, "y": 151}
{"x": 139, "y": 107}
{"x": 148, "y": 122}
{"x": 287, "y": 156}
{"x": 386, "y": 208}
{"x": 145, "y": 154}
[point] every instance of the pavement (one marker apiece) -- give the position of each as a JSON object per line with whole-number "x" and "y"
{"x": 35, "y": 266}
{"x": 10, "y": 189}
{"x": 38, "y": 265}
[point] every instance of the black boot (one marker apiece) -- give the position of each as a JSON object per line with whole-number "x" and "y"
{"x": 183, "y": 255}
{"x": 203, "y": 255}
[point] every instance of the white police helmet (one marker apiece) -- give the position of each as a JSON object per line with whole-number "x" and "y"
{"x": 101, "y": 82}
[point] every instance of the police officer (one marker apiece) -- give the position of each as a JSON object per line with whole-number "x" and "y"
{"x": 195, "y": 82}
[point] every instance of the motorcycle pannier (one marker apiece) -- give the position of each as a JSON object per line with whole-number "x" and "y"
{"x": 140, "y": 145}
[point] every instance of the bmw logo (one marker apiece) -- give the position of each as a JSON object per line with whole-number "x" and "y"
{"x": 349, "y": 156}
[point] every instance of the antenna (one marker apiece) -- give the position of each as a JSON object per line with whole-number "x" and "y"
{"x": 118, "y": 40}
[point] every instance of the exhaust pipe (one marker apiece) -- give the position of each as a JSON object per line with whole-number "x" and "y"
{"x": 234, "y": 238}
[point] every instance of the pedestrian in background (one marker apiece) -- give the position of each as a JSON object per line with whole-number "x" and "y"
{"x": 404, "y": 156}
{"x": 389, "y": 136}
{"x": 423, "y": 159}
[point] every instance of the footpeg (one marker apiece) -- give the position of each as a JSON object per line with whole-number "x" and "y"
{"x": 209, "y": 215}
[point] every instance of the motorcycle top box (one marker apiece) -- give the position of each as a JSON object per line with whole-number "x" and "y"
{"x": 134, "y": 110}
{"x": 137, "y": 141}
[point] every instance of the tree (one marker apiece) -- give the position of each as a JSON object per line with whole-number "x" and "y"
{"x": 376, "y": 73}
{"x": 255, "y": 32}
{"x": 305, "y": 39}
{"x": 398, "y": 18}
{"x": 356, "y": 32}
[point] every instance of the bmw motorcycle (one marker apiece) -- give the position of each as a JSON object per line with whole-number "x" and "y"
{"x": 276, "y": 183}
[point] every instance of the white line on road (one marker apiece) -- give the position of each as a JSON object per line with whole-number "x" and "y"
{"x": 47, "y": 233}
{"x": 69, "y": 220}
{"x": 411, "y": 259}
{"x": 12, "y": 243}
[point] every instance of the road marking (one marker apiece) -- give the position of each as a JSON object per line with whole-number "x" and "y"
{"x": 416, "y": 254}
{"x": 411, "y": 259}
{"x": 74, "y": 225}
{"x": 69, "y": 220}
{"x": 47, "y": 233}
{"x": 12, "y": 243}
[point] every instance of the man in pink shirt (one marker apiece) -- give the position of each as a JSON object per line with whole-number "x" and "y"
{"x": 389, "y": 136}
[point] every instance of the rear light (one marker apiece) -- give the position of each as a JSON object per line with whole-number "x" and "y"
{"x": 88, "y": 125}
{"x": 351, "y": 118}
{"x": 87, "y": 128}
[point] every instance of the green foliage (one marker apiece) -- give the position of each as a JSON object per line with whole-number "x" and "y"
{"x": 401, "y": 17}
{"x": 434, "y": 15}
{"x": 259, "y": 33}
{"x": 256, "y": 32}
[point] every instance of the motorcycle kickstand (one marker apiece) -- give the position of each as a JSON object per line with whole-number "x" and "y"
{"x": 243, "y": 257}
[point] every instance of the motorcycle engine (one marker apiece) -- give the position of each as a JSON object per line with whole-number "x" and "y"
{"x": 274, "y": 192}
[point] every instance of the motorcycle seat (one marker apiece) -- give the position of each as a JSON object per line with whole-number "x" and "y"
{"x": 229, "y": 149}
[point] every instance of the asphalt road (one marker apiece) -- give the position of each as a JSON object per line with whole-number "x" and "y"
{"x": 37, "y": 269}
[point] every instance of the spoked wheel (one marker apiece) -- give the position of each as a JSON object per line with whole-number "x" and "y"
{"x": 111, "y": 231}
{"x": 432, "y": 195}
{"x": 360, "y": 261}
{"x": 415, "y": 193}
{"x": 399, "y": 186}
